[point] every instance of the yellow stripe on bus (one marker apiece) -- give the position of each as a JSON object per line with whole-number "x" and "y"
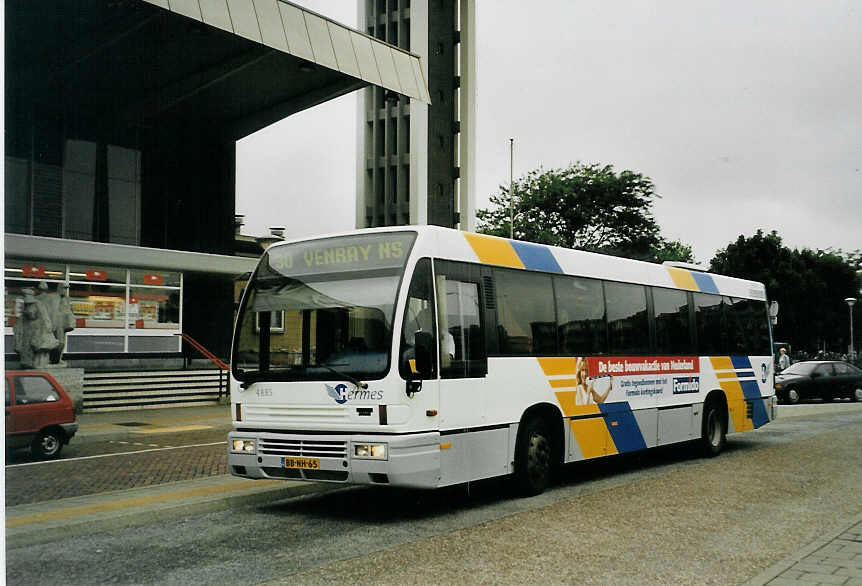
{"x": 562, "y": 383}
{"x": 736, "y": 404}
{"x": 494, "y": 251}
{"x": 566, "y": 399}
{"x": 593, "y": 437}
{"x": 682, "y": 279}
{"x": 557, "y": 366}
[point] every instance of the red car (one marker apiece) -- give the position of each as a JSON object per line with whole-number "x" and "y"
{"x": 39, "y": 413}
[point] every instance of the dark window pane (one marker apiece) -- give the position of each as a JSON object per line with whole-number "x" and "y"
{"x": 749, "y": 328}
{"x": 710, "y": 324}
{"x": 671, "y": 321}
{"x": 581, "y": 316}
{"x": 525, "y": 309}
{"x": 628, "y": 324}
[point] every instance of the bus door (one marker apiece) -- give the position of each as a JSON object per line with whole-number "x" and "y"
{"x": 461, "y": 337}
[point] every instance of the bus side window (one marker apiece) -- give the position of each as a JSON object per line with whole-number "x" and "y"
{"x": 460, "y": 330}
{"x": 628, "y": 322}
{"x": 671, "y": 314}
{"x": 581, "y": 316}
{"x": 418, "y": 316}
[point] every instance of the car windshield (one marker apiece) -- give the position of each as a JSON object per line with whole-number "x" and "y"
{"x": 800, "y": 368}
{"x": 314, "y": 309}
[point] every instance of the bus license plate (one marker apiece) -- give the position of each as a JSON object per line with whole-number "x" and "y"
{"x": 304, "y": 463}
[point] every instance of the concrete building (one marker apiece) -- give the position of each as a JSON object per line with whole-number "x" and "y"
{"x": 416, "y": 161}
{"x": 121, "y": 123}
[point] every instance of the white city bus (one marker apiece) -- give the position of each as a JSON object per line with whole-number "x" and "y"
{"x": 426, "y": 357}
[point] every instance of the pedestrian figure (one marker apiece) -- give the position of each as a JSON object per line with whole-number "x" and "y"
{"x": 783, "y": 359}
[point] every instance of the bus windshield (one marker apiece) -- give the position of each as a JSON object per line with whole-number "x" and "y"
{"x": 321, "y": 307}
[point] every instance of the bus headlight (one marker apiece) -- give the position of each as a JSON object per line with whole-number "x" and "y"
{"x": 371, "y": 451}
{"x": 245, "y": 446}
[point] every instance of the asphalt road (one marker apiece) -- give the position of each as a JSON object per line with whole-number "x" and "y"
{"x": 659, "y": 517}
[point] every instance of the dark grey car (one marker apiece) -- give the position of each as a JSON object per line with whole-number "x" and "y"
{"x": 822, "y": 379}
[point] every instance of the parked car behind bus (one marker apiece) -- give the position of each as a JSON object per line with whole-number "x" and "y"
{"x": 826, "y": 380}
{"x": 39, "y": 413}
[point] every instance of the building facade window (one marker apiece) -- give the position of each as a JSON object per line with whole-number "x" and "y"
{"x": 115, "y": 309}
{"x": 93, "y": 194}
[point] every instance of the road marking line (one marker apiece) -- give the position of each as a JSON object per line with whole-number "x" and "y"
{"x": 123, "y": 504}
{"x": 152, "y": 430}
{"x": 117, "y": 454}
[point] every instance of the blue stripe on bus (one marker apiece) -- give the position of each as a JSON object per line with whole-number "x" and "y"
{"x": 626, "y": 433}
{"x": 704, "y": 282}
{"x": 536, "y": 257}
{"x": 741, "y": 362}
{"x": 751, "y": 391}
{"x": 743, "y": 373}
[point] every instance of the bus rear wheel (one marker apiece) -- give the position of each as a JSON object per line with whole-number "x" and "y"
{"x": 533, "y": 458}
{"x": 713, "y": 429}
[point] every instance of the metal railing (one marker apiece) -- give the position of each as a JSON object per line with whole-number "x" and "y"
{"x": 220, "y": 364}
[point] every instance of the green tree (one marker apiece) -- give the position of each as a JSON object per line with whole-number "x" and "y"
{"x": 809, "y": 285}
{"x": 584, "y": 206}
{"x": 675, "y": 250}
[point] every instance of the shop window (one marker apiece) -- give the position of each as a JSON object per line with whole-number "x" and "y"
{"x": 97, "y": 274}
{"x": 38, "y": 271}
{"x": 154, "y": 278}
{"x": 95, "y": 343}
{"x": 152, "y": 308}
{"x": 154, "y": 343}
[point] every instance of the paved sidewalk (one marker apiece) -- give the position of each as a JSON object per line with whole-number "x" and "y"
{"x": 835, "y": 558}
{"x": 114, "y": 425}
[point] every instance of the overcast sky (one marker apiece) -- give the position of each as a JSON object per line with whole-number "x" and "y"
{"x": 745, "y": 114}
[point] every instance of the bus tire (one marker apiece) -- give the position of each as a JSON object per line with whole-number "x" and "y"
{"x": 714, "y": 428}
{"x": 533, "y": 457}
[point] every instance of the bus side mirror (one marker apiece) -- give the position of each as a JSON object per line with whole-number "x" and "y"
{"x": 424, "y": 354}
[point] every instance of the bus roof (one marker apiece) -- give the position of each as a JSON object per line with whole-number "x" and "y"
{"x": 439, "y": 242}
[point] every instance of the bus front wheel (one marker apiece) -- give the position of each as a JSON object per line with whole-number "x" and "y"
{"x": 714, "y": 428}
{"x": 534, "y": 458}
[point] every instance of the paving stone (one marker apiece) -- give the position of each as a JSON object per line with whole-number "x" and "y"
{"x": 826, "y": 578}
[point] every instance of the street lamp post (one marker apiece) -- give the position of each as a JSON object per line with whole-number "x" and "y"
{"x": 851, "y": 301}
{"x": 511, "y": 188}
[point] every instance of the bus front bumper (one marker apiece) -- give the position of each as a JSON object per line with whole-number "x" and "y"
{"x": 405, "y": 460}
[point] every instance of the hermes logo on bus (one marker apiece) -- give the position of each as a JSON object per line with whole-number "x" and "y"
{"x": 340, "y": 394}
{"x": 686, "y": 384}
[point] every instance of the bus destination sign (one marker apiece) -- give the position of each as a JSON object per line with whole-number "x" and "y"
{"x": 345, "y": 253}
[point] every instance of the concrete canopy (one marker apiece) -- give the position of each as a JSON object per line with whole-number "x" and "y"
{"x": 238, "y": 65}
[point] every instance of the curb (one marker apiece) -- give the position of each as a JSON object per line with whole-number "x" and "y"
{"x": 66, "y": 522}
{"x": 779, "y": 568}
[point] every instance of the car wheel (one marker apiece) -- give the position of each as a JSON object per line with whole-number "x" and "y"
{"x": 856, "y": 394}
{"x": 47, "y": 444}
{"x": 792, "y": 396}
{"x": 713, "y": 429}
{"x": 533, "y": 458}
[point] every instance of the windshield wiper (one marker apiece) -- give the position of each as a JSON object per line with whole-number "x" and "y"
{"x": 349, "y": 377}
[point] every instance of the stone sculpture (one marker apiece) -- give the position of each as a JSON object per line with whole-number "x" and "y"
{"x": 34, "y": 333}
